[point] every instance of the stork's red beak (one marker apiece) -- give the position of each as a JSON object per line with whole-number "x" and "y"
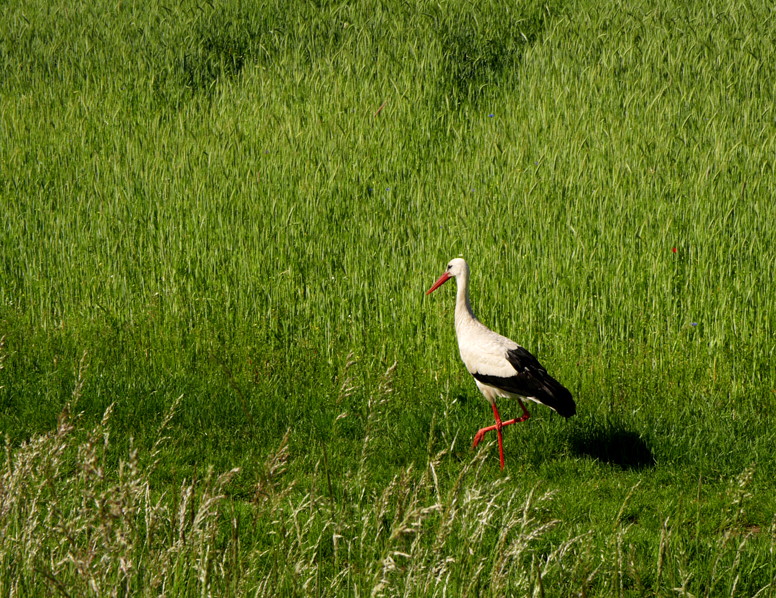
{"x": 440, "y": 281}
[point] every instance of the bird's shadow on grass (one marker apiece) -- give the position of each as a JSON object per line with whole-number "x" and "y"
{"x": 614, "y": 444}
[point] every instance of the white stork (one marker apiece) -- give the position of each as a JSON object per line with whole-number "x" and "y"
{"x": 501, "y": 367}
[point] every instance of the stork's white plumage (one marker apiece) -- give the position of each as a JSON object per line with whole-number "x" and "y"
{"x": 501, "y": 367}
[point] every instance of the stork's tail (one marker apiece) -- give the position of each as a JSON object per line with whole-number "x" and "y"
{"x": 558, "y": 398}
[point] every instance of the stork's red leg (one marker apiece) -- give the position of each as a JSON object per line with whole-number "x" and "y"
{"x": 497, "y": 427}
{"x": 522, "y": 418}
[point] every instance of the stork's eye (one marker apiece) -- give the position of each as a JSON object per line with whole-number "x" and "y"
{"x": 449, "y": 266}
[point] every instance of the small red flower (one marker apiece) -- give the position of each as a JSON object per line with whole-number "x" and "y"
{"x": 673, "y": 249}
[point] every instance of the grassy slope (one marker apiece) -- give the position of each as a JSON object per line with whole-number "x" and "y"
{"x": 200, "y": 201}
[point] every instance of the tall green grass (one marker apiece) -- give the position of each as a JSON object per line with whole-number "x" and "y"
{"x": 206, "y": 201}
{"x": 73, "y": 525}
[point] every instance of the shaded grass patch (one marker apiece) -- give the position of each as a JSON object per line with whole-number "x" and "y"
{"x": 612, "y": 443}
{"x": 482, "y": 45}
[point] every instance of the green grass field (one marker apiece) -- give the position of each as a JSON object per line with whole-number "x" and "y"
{"x": 219, "y": 374}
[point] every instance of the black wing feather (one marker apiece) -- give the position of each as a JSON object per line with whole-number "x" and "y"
{"x": 532, "y": 380}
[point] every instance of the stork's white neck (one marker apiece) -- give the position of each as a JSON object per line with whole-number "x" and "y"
{"x": 463, "y": 309}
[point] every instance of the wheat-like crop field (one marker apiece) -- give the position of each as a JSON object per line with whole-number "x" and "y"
{"x": 219, "y": 373}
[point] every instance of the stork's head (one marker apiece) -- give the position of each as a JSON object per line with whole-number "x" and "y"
{"x": 456, "y": 267}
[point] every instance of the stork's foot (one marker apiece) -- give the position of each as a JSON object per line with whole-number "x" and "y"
{"x": 482, "y": 431}
{"x": 497, "y": 427}
{"x": 481, "y": 434}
